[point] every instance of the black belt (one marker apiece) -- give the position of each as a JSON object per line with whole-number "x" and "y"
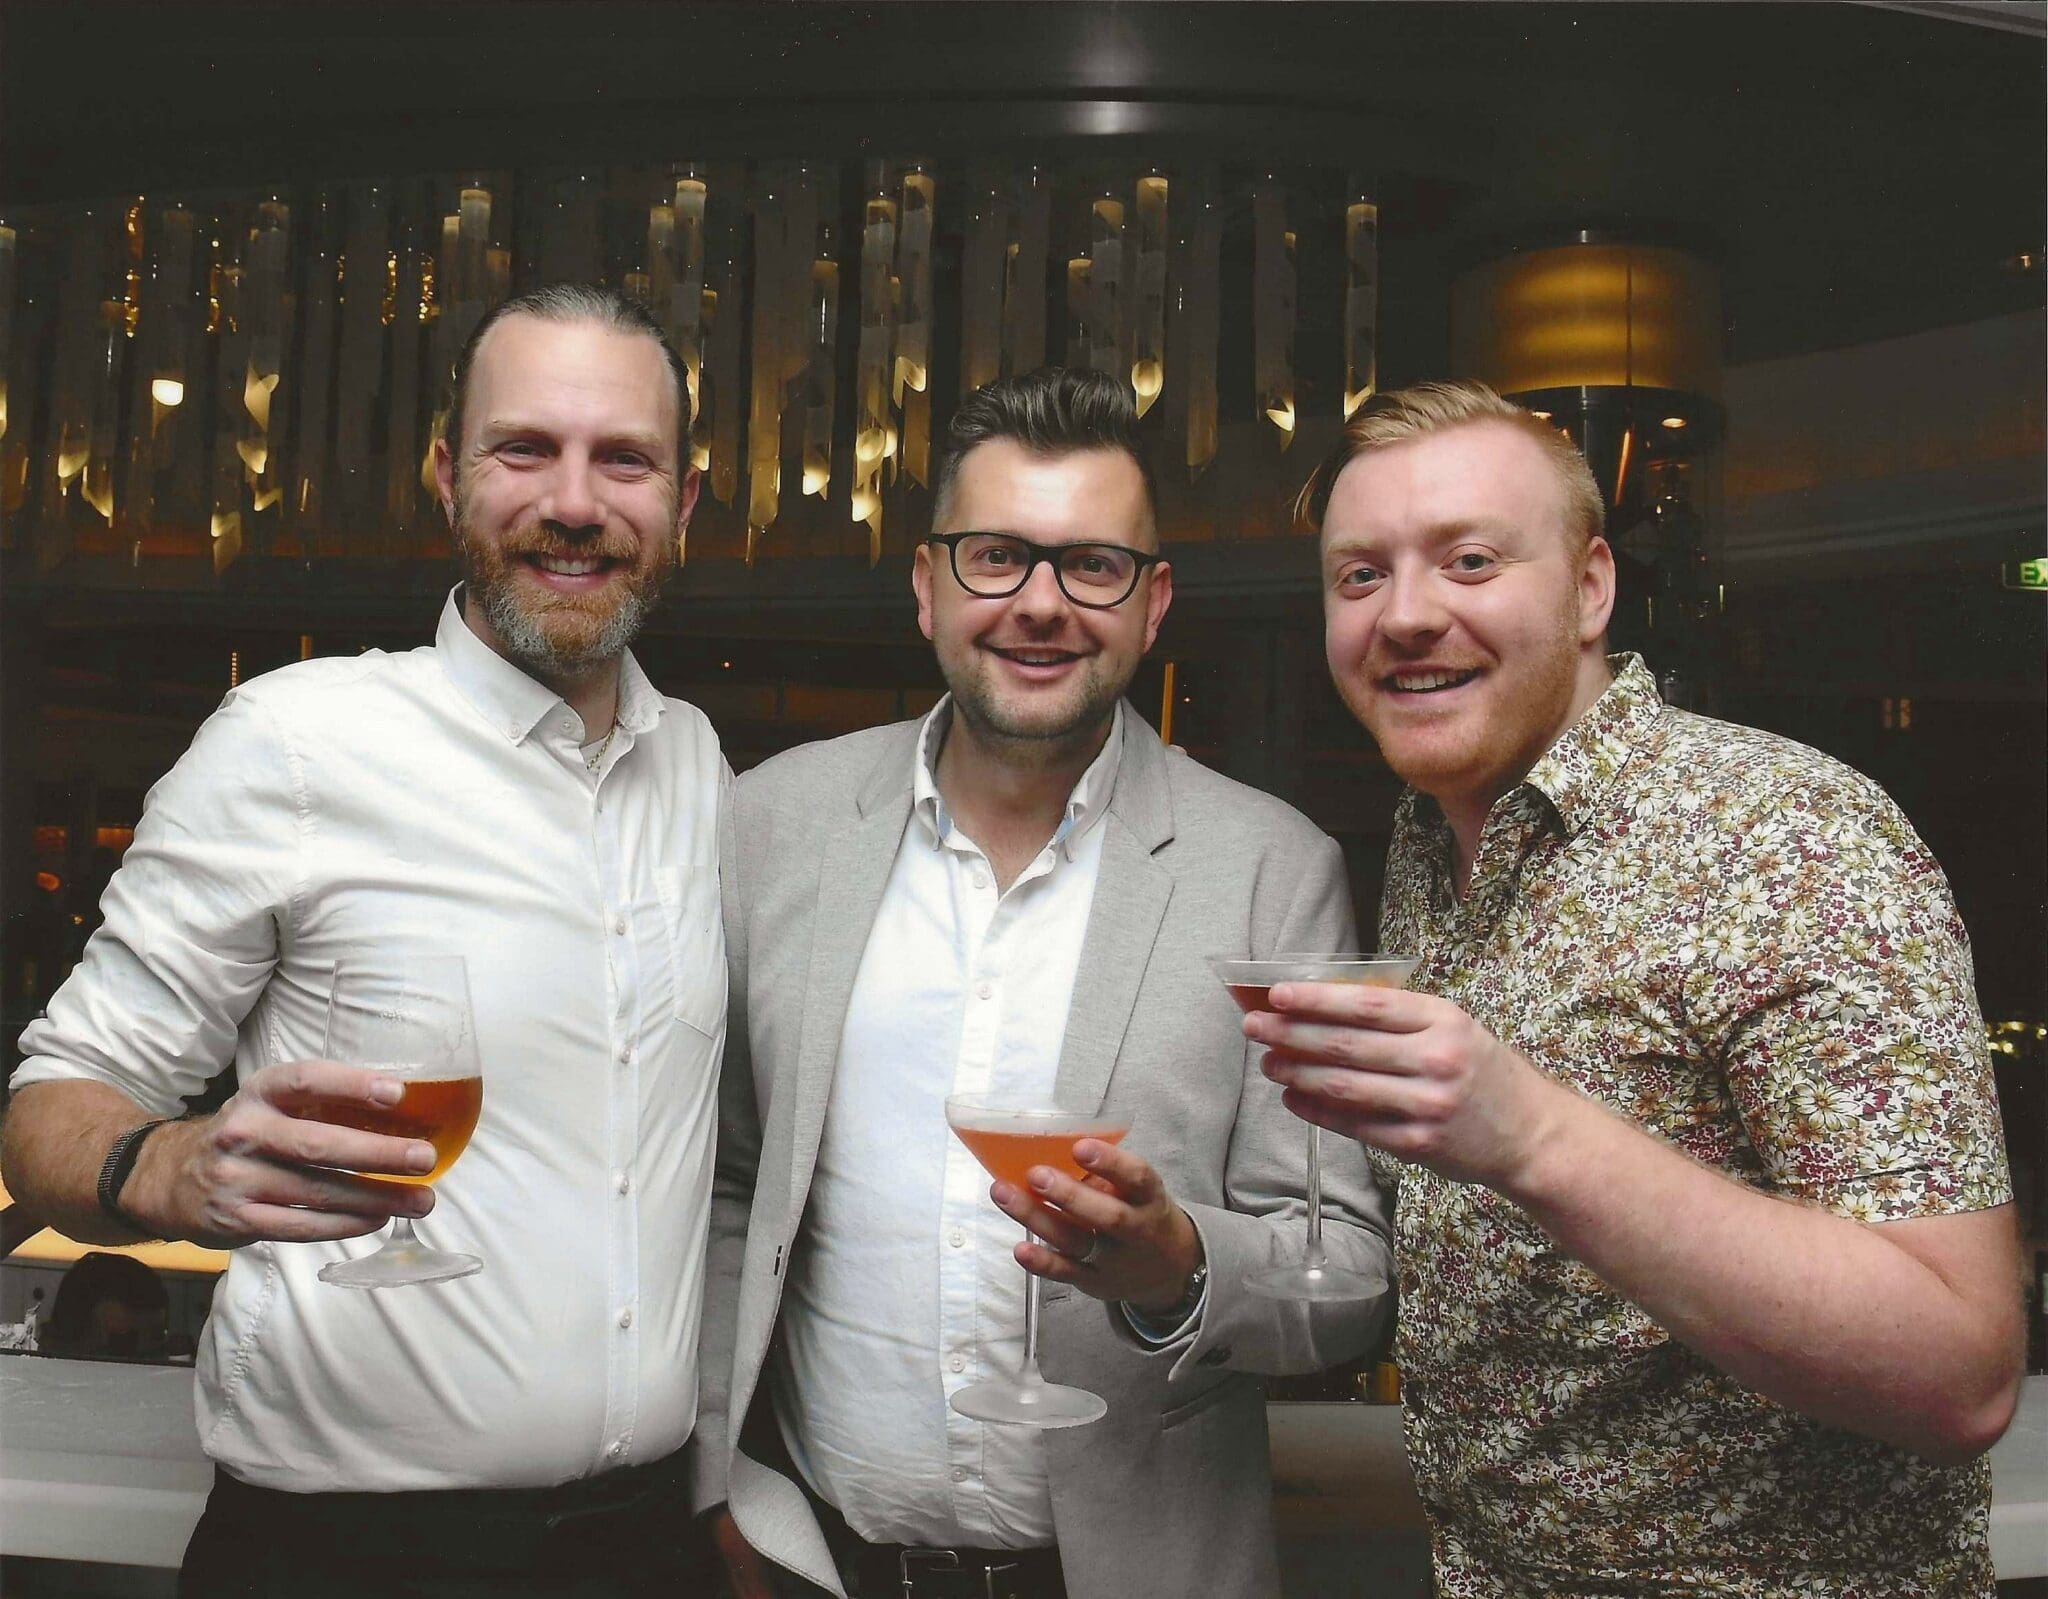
{"x": 490, "y": 1528}
{"x": 911, "y": 1571}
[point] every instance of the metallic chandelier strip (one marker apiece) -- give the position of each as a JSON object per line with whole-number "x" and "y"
{"x": 298, "y": 414}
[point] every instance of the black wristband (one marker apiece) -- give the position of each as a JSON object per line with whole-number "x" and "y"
{"x": 115, "y": 1170}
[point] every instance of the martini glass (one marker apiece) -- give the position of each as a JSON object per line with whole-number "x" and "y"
{"x": 1250, "y": 981}
{"x": 1009, "y": 1136}
{"x": 409, "y": 1019}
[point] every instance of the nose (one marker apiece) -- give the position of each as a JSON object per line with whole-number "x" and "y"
{"x": 1041, "y": 598}
{"x": 1411, "y": 610}
{"x": 573, "y": 500}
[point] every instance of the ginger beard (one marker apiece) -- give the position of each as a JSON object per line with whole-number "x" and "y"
{"x": 555, "y": 637}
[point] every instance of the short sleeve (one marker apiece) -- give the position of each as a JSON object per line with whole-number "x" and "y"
{"x": 1831, "y": 975}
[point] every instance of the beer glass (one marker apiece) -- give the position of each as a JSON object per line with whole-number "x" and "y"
{"x": 1009, "y": 1137}
{"x": 409, "y": 1018}
{"x": 1249, "y": 982}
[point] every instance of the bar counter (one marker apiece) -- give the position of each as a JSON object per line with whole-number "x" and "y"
{"x": 100, "y": 1461}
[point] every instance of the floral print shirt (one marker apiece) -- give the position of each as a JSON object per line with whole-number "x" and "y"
{"x": 1741, "y": 945}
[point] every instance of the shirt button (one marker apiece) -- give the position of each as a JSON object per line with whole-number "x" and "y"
{"x": 625, "y": 1183}
{"x": 956, "y": 1237}
{"x": 626, "y": 1056}
{"x": 619, "y": 926}
{"x": 958, "y": 1362}
{"x": 626, "y": 1318}
{"x": 980, "y": 880}
{"x": 959, "y": 1473}
{"x": 986, "y": 990}
{"x": 617, "y": 1449}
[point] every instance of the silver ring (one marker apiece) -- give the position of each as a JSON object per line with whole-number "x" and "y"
{"x": 1087, "y": 1256}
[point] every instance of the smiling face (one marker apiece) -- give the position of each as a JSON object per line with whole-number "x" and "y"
{"x": 1035, "y": 667}
{"x": 1464, "y": 622}
{"x": 568, "y": 498}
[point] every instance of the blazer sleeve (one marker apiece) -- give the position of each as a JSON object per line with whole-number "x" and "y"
{"x": 732, "y": 1192}
{"x": 1265, "y": 1222}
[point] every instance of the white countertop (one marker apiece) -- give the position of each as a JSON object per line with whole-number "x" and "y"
{"x": 101, "y": 1461}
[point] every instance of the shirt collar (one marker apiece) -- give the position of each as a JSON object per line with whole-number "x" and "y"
{"x": 1578, "y": 769}
{"x": 1085, "y": 804}
{"x": 515, "y": 703}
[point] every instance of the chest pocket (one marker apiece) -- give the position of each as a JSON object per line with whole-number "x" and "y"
{"x": 695, "y": 940}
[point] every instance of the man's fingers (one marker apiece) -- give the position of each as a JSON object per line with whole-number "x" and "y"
{"x": 267, "y": 1130}
{"x": 1358, "y": 1090}
{"x": 1360, "y": 1048}
{"x": 301, "y": 1087}
{"x": 1392, "y": 1010}
{"x": 1060, "y": 1228}
{"x": 287, "y": 1224}
{"x": 1088, "y": 1206}
{"x": 1129, "y": 1173}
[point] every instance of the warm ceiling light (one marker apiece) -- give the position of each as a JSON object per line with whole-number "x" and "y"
{"x": 167, "y": 392}
{"x": 1544, "y": 414}
{"x": 1674, "y": 422}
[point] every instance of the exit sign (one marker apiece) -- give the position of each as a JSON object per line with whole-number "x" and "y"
{"x": 2025, "y": 575}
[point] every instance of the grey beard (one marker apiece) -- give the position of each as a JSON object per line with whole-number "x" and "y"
{"x": 539, "y": 656}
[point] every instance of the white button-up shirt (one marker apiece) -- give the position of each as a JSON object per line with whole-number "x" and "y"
{"x": 437, "y": 800}
{"x": 903, "y": 1287}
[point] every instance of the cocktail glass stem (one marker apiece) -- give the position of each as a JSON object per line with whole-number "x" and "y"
{"x": 1031, "y": 1377}
{"x": 1313, "y": 1257}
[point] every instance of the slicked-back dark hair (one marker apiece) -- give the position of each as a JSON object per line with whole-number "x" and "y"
{"x": 1053, "y": 411}
{"x": 571, "y": 302}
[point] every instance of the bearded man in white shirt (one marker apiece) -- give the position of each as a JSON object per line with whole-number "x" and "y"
{"x": 517, "y": 794}
{"x": 1014, "y": 894}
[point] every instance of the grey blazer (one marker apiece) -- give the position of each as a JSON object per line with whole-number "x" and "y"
{"x": 1170, "y": 1493}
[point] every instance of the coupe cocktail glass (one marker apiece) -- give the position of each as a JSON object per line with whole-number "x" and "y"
{"x": 1249, "y": 982}
{"x": 1009, "y": 1137}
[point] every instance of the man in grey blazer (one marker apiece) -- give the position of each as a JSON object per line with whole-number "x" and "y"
{"x": 1016, "y": 891}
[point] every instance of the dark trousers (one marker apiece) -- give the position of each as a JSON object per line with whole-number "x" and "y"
{"x": 625, "y": 1535}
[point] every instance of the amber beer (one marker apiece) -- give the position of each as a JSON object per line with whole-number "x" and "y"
{"x": 442, "y": 1110}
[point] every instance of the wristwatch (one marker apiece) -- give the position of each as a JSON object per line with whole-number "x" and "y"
{"x": 117, "y": 1167}
{"x": 1198, "y": 1282}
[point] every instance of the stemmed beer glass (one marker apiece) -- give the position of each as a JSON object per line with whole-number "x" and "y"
{"x": 1009, "y": 1137}
{"x": 1250, "y": 982}
{"x": 409, "y": 1018}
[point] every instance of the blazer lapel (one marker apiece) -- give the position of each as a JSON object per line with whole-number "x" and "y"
{"x": 854, "y": 872}
{"x": 1131, "y": 895}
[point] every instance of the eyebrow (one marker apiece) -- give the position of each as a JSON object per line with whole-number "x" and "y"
{"x": 1440, "y": 533}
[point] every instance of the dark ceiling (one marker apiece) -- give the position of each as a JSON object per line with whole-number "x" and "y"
{"x": 1859, "y": 171}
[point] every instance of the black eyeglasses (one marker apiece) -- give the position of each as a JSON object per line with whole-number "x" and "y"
{"x": 993, "y": 566}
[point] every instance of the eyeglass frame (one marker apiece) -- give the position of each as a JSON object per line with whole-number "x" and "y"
{"x": 1142, "y": 562}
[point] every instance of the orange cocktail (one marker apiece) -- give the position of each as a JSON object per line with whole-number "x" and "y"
{"x": 1009, "y": 1154}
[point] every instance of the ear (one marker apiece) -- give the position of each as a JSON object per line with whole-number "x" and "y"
{"x": 687, "y": 489}
{"x": 1158, "y": 596}
{"x": 444, "y": 479}
{"x": 921, "y": 586}
{"x": 1596, "y": 591}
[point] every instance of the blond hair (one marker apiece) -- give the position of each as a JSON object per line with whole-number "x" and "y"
{"x": 1400, "y": 415}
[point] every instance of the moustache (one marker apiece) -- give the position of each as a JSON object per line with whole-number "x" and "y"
{"x": 565, "y": 543}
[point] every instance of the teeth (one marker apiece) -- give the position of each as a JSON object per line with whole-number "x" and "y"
{"x": 566, "y": 568}
{"x": 1421, "y": 682}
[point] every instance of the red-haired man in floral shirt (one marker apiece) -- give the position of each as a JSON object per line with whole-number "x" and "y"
{"x": 1707, "y": 1255}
